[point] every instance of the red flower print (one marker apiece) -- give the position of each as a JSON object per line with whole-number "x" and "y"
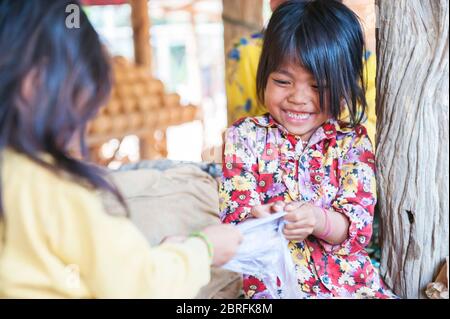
{"x": 265, "y": 182}
{"x": 360, "y": 276}
{"x": 368, "y": 158}
{"x": 232, "y": 218}
{"x": 329, "y": 129}
{"x": 333, "y": 269}
{"x": 360, "y": 130}
{"x": 241, "y": 197}
{"x": 270, "y": 152}
{"x": 361, "y": 193}
{"x": 316, "y": 178}
{"x": 315, "y": 163}
{"x": 232, "y": 166}
{"x": 254, "y": 284}
{"x": 333, "y": 174}
{"x": 275, "y": 199}
{"x": 329, "y": 143}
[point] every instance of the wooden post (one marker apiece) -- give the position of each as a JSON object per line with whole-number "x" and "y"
{"x": 140, "y": 21}
{"x": 413, "y": 141}
{"x": 241, "y": 18}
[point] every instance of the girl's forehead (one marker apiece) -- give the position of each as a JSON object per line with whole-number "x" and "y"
{"x": 293, "y": 69}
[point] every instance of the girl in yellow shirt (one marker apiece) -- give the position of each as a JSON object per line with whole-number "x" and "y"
{"x": 55, "y": 238}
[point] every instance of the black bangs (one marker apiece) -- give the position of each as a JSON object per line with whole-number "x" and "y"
{"x": 326, "y": 38}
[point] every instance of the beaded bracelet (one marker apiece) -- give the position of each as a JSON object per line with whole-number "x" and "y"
{"x": 327, "y": 230}
{"x": 202, "y": 236}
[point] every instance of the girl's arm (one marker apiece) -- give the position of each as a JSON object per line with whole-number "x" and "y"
{"x": 239, "y": 182}
{"x": 305, "y": 219}
{"x": 331, "y": 226}
{"x": 356, "y": 198}
{"x": 345, "y": 227}
{"x": 114, "y": 260}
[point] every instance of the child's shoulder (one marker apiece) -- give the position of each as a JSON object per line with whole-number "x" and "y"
{"x": 251, "y": 122}
{"x": 344, "y": 129}
{"x": 24, "y": 173}
{"x": 348, "y": 136}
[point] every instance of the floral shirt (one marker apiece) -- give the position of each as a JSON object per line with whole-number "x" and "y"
{"x": 263, "y": 163}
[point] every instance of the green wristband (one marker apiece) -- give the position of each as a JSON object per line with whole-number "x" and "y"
{"x": 202, "y": 236}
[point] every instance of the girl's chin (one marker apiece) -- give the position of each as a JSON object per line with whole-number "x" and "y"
{"x": 296, "y": 131}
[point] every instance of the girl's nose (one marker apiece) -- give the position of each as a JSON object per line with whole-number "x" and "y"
{"x": 298, "y": 96}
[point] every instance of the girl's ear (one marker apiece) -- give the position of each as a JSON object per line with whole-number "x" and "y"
{"x": 28, "y": 87}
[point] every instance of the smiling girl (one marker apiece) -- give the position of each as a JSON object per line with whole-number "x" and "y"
{"x": 299, "y": 158}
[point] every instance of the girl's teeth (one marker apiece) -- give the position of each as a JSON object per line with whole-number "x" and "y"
{"x": 299, "y": 116}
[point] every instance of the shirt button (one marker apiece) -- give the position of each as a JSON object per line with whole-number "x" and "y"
{"x": 262, "y": 183}
{"x": 229, "y": 166}
{"x": 362, "y": 239}
{"x": 269, "y": 151}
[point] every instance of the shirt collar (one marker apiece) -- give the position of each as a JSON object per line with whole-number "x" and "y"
{"x": 328, "y": 130}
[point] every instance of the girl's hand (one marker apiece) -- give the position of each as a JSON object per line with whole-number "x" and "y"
{"x": 301, "y": 220}
{"x": 225, "y": 240}
{"x": 265, "y": 210}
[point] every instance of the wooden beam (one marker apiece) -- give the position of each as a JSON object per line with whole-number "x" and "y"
{"x": 140, "y": 21}
{"x": 241, "y": 18}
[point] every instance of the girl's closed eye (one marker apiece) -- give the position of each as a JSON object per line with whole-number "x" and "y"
{"x": 281, "y": 82}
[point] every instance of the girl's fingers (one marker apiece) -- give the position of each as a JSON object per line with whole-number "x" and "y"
{"x": 293, "y": 217}
{"x": 293, "y": 206}
{"x": 295, "y": 225}
{"x": 278, "y": 206}
{"x": 296, "y": 235}
{"x": 262, "y": 211}
{"x": 296, "y": 232}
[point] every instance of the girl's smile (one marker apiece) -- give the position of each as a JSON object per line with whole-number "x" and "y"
{"x": 296, "y": 117}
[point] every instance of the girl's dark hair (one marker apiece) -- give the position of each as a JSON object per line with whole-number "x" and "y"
{"x": 71, "y": 78}
{"x": 326, "y": 38}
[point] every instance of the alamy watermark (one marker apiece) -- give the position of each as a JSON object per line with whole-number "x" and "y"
{"x": 73, "y": 17}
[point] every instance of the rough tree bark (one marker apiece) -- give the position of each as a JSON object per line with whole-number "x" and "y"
{"x": 413, "y": 141}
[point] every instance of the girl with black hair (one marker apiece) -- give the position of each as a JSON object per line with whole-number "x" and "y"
{"x": 301, "y": 159}
{"x": 55, "y": 238}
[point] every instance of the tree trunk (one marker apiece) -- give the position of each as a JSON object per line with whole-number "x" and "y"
{"x": 241, "y": 18}
{"x": 413, "y": 141}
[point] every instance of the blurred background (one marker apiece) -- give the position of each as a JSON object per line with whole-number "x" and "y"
{"x": 169, "y": 99}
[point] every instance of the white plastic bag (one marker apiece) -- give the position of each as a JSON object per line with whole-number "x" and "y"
{"x": 264, "y": 253}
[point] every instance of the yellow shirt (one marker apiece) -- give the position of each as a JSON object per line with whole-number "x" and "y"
{"x": 56, "y": 241}
{"x": 242, "y": 65}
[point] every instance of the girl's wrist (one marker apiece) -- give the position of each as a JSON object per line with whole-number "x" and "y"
{"x": 323, "y": 225}
{"x": 201, "y": 235}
